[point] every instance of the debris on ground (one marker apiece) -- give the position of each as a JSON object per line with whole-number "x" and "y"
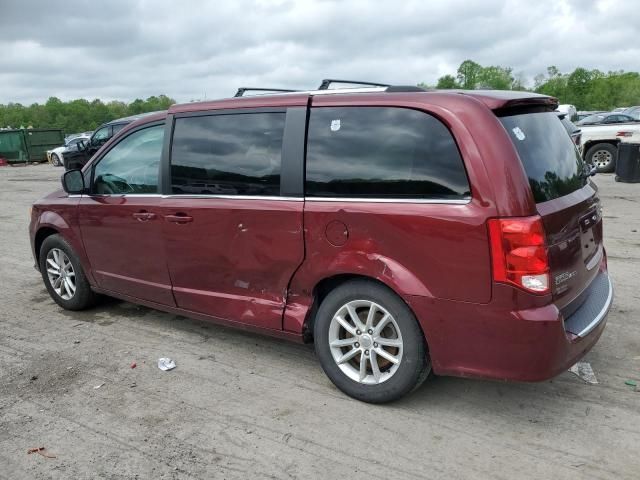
{"x": 631, "y": 383}
{"x": 166, "y": 364}
{"x": 584, "y": 371}
{"x": 76, "y": 342}
{"x": 134, "y": 365}
{"x": 98, "y": 386}
{"x": 40, "y": 451}
{"x": 34, "y": 377}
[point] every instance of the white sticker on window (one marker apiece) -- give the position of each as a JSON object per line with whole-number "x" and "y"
{"x": 518, "y": 133}
{"x": 335, "y": 125}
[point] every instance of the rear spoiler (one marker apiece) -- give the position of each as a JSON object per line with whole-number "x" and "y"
{"x": 527, "y": 105}
{"x": 506, "y": 102}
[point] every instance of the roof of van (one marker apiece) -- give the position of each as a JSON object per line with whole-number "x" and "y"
{"x": 493, "y": 99}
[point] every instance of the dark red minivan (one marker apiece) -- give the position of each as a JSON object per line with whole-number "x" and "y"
{"x": 402, "y": 231}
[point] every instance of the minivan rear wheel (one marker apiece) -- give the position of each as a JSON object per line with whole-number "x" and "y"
{"x": 63, "y": 275}
{"x": 369, "y": 342}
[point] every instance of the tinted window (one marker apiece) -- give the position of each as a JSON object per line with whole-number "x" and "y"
{"x": 131, "y": 166}
{"x": 593, "y": 119}
{"x": 550, "y": 158}
{"x": 382, "y": 153}
{"x": 101, "y": 135}
{"x": 227, "y": 154}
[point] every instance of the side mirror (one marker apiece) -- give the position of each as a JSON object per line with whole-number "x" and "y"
{"x": 73, "y": 182}
{"x": 81, "y": 146}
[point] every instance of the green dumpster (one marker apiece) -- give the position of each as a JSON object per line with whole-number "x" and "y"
{"x": 29, "y": 145}
{"x": 13, "y": 146}
{"x": 39, "y": 140}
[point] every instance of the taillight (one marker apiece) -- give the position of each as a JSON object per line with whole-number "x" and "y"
{"x": 519, "y": 253}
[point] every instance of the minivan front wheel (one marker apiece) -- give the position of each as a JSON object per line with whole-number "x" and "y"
{"x": 63, "y": 275}
{"x": 369, "y": 343}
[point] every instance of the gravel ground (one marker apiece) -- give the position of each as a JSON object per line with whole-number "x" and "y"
{"x": 243, "y": 406}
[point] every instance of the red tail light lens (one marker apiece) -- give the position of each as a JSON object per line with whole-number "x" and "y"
{"x": 519, "y": 253}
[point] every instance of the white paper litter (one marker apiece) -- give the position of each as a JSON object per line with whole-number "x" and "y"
{"x": 166, "y": 364}
{"x": 98, "y": 386}
{"x": 584, "y": 371}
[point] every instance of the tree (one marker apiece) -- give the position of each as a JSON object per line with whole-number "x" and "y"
{"x": 447, "y": 82}
{"x": 76, "y": 115}
{"x": 497, "y": 78}
{"x": 468, "y": 74}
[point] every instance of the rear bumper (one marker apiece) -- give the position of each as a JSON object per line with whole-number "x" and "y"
{"x": 495, "y": 341}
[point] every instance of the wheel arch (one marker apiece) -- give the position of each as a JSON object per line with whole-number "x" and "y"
{"x": 53, "y": 223}
{"x": 41, "y": 235}
{"x": 326, "y": 285}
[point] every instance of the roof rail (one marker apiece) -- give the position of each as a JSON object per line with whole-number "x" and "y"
{"x": 241, "y": 91}
{"x": 405, "y": 88}
{"x": 328, "y": 81}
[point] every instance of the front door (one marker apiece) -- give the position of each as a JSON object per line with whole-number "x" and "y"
{"x": 233, "y": 241}
{"x": 120, "y": 219}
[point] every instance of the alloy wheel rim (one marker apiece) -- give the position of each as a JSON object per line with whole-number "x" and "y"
{"x": 62, "y": 276}
{"x": 365, "y": 342}
{"x": 602, "y": 158}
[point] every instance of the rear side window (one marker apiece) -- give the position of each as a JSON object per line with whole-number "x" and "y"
{"x": 549, "y": 157}
{"x": 382, "y": 152}
{"x": 235, "y": 154}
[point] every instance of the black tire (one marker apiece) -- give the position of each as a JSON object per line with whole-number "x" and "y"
{"x": 414, "y": 366}
{"x": 55, "y": 160}
{"x": 597, "y": 152}
{"x": 83, "y": 297}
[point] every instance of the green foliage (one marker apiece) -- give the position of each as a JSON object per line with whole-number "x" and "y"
{"x": 586, "y": 89}
{"x": 447, "y": 82}
{"x": 76, "y": 115}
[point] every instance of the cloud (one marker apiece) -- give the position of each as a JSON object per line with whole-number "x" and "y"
{"x": 124, "y": 49}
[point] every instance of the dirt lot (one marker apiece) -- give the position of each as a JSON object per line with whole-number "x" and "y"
{"x": 243, "y": 406}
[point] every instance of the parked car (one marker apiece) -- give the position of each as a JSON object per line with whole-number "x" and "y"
{"x": 402, "y": 231}
{"x": 78, "y": 157}
{"x": 56, "y": 155}
{"x": 633, "y": 112}
{"x": 569, "y": 110}
{"x": 606, "y": 118}
{"x": 601, "y": 141}
{"x": 584, "y": 114}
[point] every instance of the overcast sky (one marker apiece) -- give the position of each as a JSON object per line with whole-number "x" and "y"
{"x": 124, "y": 49}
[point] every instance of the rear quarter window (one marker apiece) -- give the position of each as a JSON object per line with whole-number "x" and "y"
{"x": 382, "y": 152}
{"x": 549, "y": 157}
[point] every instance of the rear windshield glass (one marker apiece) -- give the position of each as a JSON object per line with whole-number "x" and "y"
{"x": 549, "y": 157}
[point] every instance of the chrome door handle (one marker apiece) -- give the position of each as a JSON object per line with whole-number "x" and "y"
{"x": 178, "y": 218}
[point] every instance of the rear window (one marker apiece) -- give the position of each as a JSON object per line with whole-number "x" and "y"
{"x": 382, "y": 152}
{"x": 550, "y": 158}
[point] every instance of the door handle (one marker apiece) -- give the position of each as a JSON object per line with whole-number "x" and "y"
{"x": 178, "y": 218}
{"x": 144, "y": 216}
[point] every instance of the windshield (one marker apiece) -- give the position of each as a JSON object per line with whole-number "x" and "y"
{"x": 549, "y": 157}
{"x": 592, "y": 119}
